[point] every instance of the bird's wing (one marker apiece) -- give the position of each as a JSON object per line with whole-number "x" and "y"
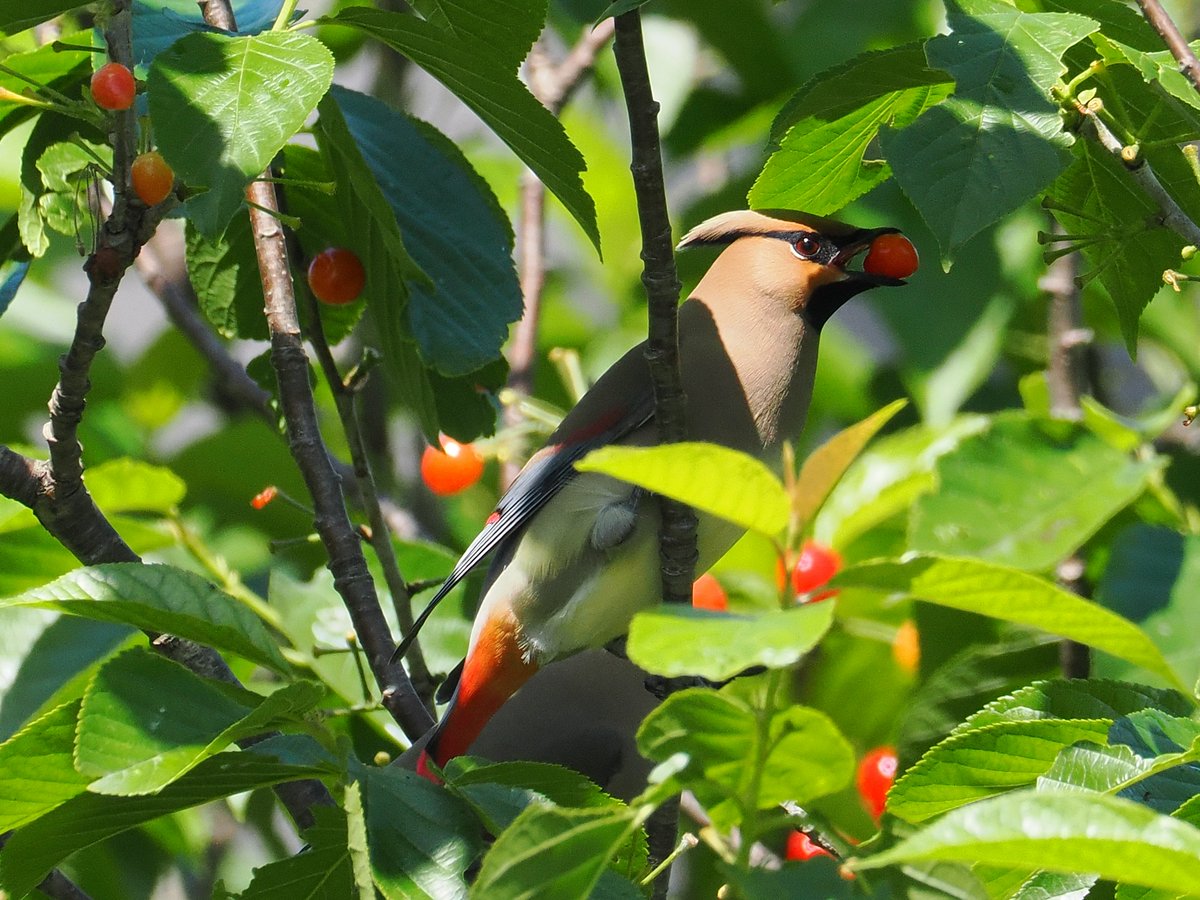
{"x": 586, "y": 427}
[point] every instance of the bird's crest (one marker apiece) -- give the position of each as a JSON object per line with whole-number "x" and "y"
{"x": 729, "y": 226}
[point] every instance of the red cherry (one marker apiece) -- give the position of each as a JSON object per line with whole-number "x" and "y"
{"x": 891, "y": 255}
{"x": 452, "y": 469}
{"x": 152, "y": 179}
{"x": 707, "y": 593}
{"x": 801, "y": 847}
{"x": 113, "y": 87}
{"x": 815, "y": 565}
{"x": 876, "y": 773}
{"x": 336, "y": 276}
{"x": 265, "y": 496}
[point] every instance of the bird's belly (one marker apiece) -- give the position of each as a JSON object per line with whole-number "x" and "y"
{"x": 568, "y": 595}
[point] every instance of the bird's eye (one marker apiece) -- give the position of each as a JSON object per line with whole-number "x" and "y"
{"x": 806, "y": 246}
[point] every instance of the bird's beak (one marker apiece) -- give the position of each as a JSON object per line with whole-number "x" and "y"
{"x": 854, "y": 244}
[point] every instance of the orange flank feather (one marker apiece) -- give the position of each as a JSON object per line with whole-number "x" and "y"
{"x": 496, "y": 666}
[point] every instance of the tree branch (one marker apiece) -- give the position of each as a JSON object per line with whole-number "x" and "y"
{"x": 1139, "y": 170}
{"x": 1067, "y": 378}
{"x": 351, "y": 578}
{"x": 678, "y": 535}
{"x": 380, "y": 535}
{"x": 553, "y": 85}
{"x": 1176, "y": 42}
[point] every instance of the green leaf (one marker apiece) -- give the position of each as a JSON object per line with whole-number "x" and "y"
{"x": 224, "y": 106}
{"x": 1015, "y": 496}
{"x": 550, "y": 851}
{"x": 19, "y": 16}
{"x": 1085, "y": 833}
{"x": 454, "y": 228}
{"x": 131, "y": 486}
{"x": 1161, "y": 68}
{"x": 496, "y": 95}
{"x": 37, "y": 771}
{"x": 998, "y": 141}
{"x": 162, "y": 599}
{"x": 677, "y": 641}
{"x": 498, "y": 792}
{"x": 709, "y": 477}
{"x": 89, "y": 818}
{"x": 421, "y": 837}
{"x": 324, "y": 871}
{"x": 887, "y": 478}
{"x": 158, "y": 24}
{"x": 505, "y": 29}
{"x": 1094, "y": 698}
{"x": 827, "y": 129}
{"x": 804, "y": 756}
{"x": 147, "y": 721}
{"x": 1132, "y": 247}
{"x": 224, "y": 273}
{"x": 826, "y": 465}
{"x": 1011, "y": 596}
{"x": 981, "y": 762}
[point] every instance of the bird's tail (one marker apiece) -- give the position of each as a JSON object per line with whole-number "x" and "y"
{"x": 495, "y": 667}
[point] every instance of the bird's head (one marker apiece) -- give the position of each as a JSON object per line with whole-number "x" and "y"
{"x": 806, "y": 262}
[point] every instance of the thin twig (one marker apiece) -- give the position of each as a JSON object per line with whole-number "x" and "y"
{"x": 553, "y": 85}
{"x": 1067, "y": 379}
{"x": 1176, "y": 42}
{"x": 678, "y": 535}
{"x": 381, "y": 536}
{"x": 1139, "y": 170}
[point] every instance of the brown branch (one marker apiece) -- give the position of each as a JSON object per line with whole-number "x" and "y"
{"x": 351, "y": 578}
{"x": 678, "y": 536}
{"x": 380, "y": 535}
{"x": 1067, "y": 378}
{"x": 553, "y": 85}
{"x": 1176, "y": 42}
{"x": 1139, "y": 170}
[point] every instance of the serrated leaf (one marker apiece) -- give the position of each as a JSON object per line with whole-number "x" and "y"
{"x": 157, "y": 24}
{"x": 550, "y": 851}
{"x": 999, "y": 140}
{"x": 89, "y": 818}
{"x": 504, "y": 28}
{"x": 1085, "y": 833}
{"x": 224, "y": 106}
{"x": 496, "y": 95}
{"x": 147, "y": 721}
{"x": 804, "y": 756}
{"x": 1132, "y": 249}
{"x": 981, "y": 762}
{"x": 1011, "y": 596}
{"x": 677, "y": 641}
{"x": 454, "y": 228}
{"x": 1015, "y": 496}
{"x": 709, "y": 477}
{"x": 159, "y": 598}
{"x": 826, "y": 465}
{"x": 827, "y": 129}
{"x": 1162, "y": 68}
{"x": 500, "y": 791}
{"x": 324, "y": 871}
{"x": 224, "y": 273}
{"x": 37, "y": 771}
{"x": 1093, "y": 698}
{"x": 421, "y": 838}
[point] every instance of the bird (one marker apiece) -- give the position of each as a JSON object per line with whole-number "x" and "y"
{"x": 574, "y": 555}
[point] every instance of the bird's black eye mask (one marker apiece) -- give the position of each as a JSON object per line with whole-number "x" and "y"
{"x": 808, "y": 245}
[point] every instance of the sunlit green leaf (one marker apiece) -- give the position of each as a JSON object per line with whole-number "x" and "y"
{"x": 709, "y": 477}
